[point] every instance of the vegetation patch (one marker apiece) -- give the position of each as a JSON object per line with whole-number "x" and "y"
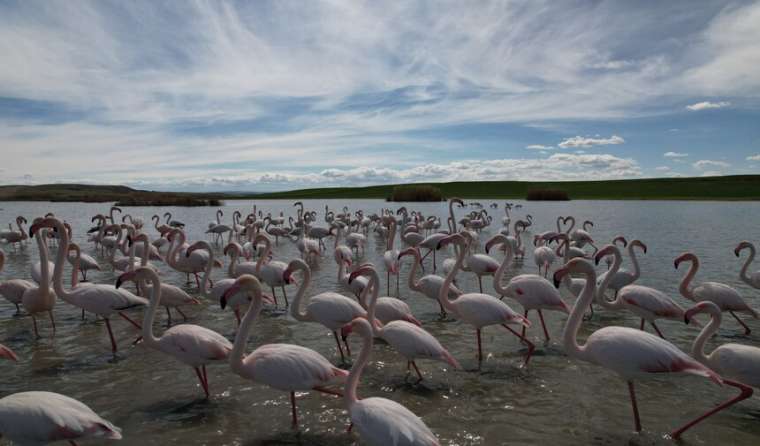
{"x": 547, "y": 195}
{"x": 416, "y": 192}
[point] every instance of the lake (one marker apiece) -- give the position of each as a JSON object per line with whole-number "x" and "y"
{"x": 555, "y": 400}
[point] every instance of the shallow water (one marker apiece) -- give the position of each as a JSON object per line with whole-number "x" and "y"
{"x": 556, "y": 400}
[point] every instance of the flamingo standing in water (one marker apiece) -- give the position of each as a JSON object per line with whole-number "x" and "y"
{"x": 725, "y": 297}
{"x": 330, "y": 309}
{"x": 217, "y": 289}
{"x": 287, "y": 367}
{"x": 531, "y": 291}
{"x": 430, "y": 284}
{"x": 390, "y": 258}
{"x": 37, "y": 418}
{"x": 647, "y": 303}
{"x": 752, "y": 279}
{"x": 630, "y": 353}
{"x": 193, "y": 345}
{"x": 13, "y": 289}
{"x": 103, "y": 300}
{"x": 272, "y": 271}
{"x": 407, "y": 338}
{"x": 477, "y": 309}
{"x": 620, "y": 277}
{"x": 40, "y": 299}
{"x": 380, "y": 421}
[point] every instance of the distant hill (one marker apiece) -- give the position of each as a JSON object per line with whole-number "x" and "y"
{"x": 736, "y": 187}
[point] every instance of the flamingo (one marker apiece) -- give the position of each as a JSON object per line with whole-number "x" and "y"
{"x": 173, "y": 223}
{"x": 725, "y": 297}
{"x": 480, "y": 264}
{"x": 287, "y": 367}
{"x": 188, "y": 263}
{"x": 103, "y": 300}
{"x": 40, "y": 299}
{"x": 217, "y": 289}
{"x": 343, "y": 256}
{"x": 380, "y": 421}
{"x": 531, "y": 291}
{"x": 621, "y": 278}
{"x": 236, "y": 268}
{"x": 272, "y": 271}
{"x": 429, "y": 285}
{"x": 38, "y": 418}
{"x": 13, "y": 289}
{"x": 332, "y": 310}
{"x": 407, "y": 338}
{"x": 753, "y": 279}
{"x": 543, "y": 255}
{"x": 390, "y": 259}
{"x": 647, "y": 303}
{"x": 163, "y": 230}
{"x": 15, "y": 237}
{"x": 191, "y": 344}
{"x": 477, "y": 309}
{"x": 630, "y": 353}
{"x": 86, "y": 263}
{"x": 387, "y": 308}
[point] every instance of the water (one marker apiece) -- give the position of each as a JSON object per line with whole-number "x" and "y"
{"x": 556, "y": 400}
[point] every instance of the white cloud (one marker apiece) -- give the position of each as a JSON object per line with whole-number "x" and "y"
{"x": 539, "y": 147}
{"x": 675, "y": 155}
{"x": 707, "y": 105}
{"x": 581, "y": 141}
{"x": 662, "y": 169}
{"x": 706, "y": 164}
{"x": 753, "y": 157}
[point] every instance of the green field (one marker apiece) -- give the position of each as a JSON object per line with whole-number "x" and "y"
{"x": 738, "y": 187}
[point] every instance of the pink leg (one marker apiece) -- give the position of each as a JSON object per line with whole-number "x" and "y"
{"x": 546, "y": 332}
{"x": 180, "y": 312}
{"x": 418, "y": 371}
{"x": 746, "y": 392}
{"x": 128, "y": 319}
{"x": 480, "y": 349}
{"x": 659, "y": 333}
{"x": 293, "y": 409}
{"x": 531, "y": 347}
{"x": 747, "y": 331}
{"x": 205, "y": 378}
{"x": 200, "y": 379}
{"x": 635, "y": 406}
{"x": 340, "y": 349}
{"x": 480, "y": 284}
{"x": 524, "y": 328}
{"x": 110, "y": 334}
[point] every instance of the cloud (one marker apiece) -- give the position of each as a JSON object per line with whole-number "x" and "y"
{"x": 707, "y": 105}
{"x": 580, "y": 141}
{"x": 706, "y": 164}
{"x": 539, "y": 147}
{"x": 753, "y": 157}
{"x": 675, "y": 155}
{"x": 662, "y": 169}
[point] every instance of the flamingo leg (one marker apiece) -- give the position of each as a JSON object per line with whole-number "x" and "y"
{"x": 388, "y": 281}
{"x": 524, "y": 328}
{"x": 110, "y": 334}
{"x": 168, "y": 317}
{"x": 237, "y": 315}
{"x": 293, "y": 409}
{"x": 328, "y": 391}
{"x": 659, "y": 333}
{"x": 531, "y": 346}
{"x": 128, "y": 319}
{"x": 197, "y": 281}
{"x": 636, "y": 419}
{"x": 480, "y": 349}
{"x": 641, "y": 326}
{"x": 274, "y": 295}
{"x": 287, "y": 304}
{"x": 52, "y": 321}
{"x": 543, "y": 325}
{"x": 34, "y": 322}
{"x": 747, "y": 331}
{"x": 745, "y": 392}
{"x": 419, "y": 375}
{"x": 443, "y": 312}
{"x": 205, "y": 378}
{"x": 480, "y": 284}
{"x": 340, "y": 349}
{"x": 184, "y": 316}
{"x": 200, "y": 378}
{"x": 18, "y": 309}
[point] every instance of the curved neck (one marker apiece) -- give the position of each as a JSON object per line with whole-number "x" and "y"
{"x": 743, "y": 274}
{"x": 349, "y": 395}
{"x": 413, "y": 284}
{"x": 443, "y": 293}
{"x": 601, "y": 299}
{"x": 572, "y": 225}
{"x": 232, "y": 269}
{"x": 573, "y": 324}
{"x": 59, "y": 263}
{"x": 41, "y": 237}
{"x": 264, "y": 255}
{"x": 684, "y": 288}
{"x": 499, "y": 275}
{"x": 560, "y": 220}
{"x": 698, "y": 348}
{"x": 207, "y": 273}
{"x": 149, "y": 338}
{"x": 295, "y": 306}
{"x": 453, "y": 220}
{"x": 146, "y": 252}
{"x": 634, "y": 262}
{"x": 241, "y": 339}
{"x": 391, "y": 236}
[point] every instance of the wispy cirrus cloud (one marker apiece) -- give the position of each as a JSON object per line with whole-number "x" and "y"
{"x": 707, "y": 164}
{"x": 706, "y": 105}
{"x": 582, "y": 141}
{"x": 675, "y": 155}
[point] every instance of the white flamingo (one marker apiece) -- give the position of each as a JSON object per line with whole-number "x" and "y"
{"x": 752, "y": 279}
{"x": 13, "y": 289}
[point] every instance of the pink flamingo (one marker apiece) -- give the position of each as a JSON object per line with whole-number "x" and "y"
{"x": 13, "y": 289}
{"x": 531, "y": 291}
{"x": 725, "y": 297}
{"x": 620, "y": 277}
{"x": 753, "y": 279}
{"x": 103, "y": 300}
{"x": 193, "y": 345}
{"x": 429, "y": 285}
{"x": 647, "y": 303}
{"x": 40, "y": 299}
{"x": 630, "y": 353}
{"x": 218, "y": 288}
{"x": 287, "y": 367}
{"x": 390, "y": 258}
{"x": 479, "y": 310}
{"x": 407, "y": 338}
{"x": 45, "y": 417}
{"x": 380, "y": 421}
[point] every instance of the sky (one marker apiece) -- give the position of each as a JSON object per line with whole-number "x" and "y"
{"x": 277, "y": 95}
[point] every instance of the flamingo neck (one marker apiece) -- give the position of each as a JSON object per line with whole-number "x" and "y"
{"x": 684, "y": 288}
{"x": 634, "y": 262}
{"x": 41, "y": 238}
{"x": 499, "y": 275}
{"x": 698, "y": 348}
{"x": 241, "y": 339}
{"x": 349, "y": 395}
{"x": 149, "y": 338}
{"x": 374, "y": 284}
{"x": 232, "y": 269}
{"x": 413, "y": 284}
{"x": 59, "y": 264}
{"x": 573, "y": 324}
{"x": 207, "y": 272}
{"x": 743, "y": 273}
{"x": 295, "y": 307}
{"x": 260, "y": 261}
{"x": 146, "y": 252}
{"x": 572, "y": 224}
{"x": 443, "y": 293}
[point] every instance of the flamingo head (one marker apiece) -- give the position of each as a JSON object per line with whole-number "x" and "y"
{"x": 455, "y": 238}
{"x": 640, "y": 244}
{"x": 559, "y": 274}
{"x": 248, "y": 284}
{"x": 7, "y": 353}
{"x": 685, "y": 257}
{"x": 498, "y": 239}
{"x": 620, "y": 239}
{"x": 604, "y": 252}
{"x": 50, "y": 222}
{"x": 360, "y": 271}
{"x": 360, "y": 325}
{"x": 129, "y": 276}
{"x": 743, "y": 245}
{"x": 407, "y": 252}
{"x": 201, "y": 244}
{"x": 701, "y": 307}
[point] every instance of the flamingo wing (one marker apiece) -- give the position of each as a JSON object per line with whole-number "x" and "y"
{"x": 291, "y": 367}
{"x": 383, "y": 422}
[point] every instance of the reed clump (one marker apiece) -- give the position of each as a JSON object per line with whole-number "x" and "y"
{"x": 416, "y": 192}
{"x": 547, "y": 195}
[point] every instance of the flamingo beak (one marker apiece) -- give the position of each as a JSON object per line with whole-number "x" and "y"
{"x": 7, "y": 353}
{"x": 737, "y": 250}
{"x": 228, "y": 293}
{"x": 689, "y": 314}
{"x": 33, "y": 229}
{"x": 644, "y": 247}
{"x": 558, "y": 275}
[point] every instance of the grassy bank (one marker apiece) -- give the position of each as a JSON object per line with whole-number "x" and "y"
{"x": 738, "y": 187}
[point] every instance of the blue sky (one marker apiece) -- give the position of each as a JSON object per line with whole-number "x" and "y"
{"x": 279, "y": 95}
